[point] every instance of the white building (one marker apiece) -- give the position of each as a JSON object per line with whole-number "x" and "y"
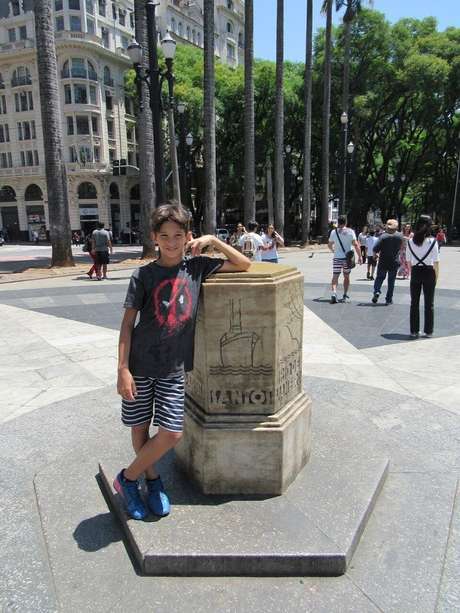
{"x": 98, "y": 125}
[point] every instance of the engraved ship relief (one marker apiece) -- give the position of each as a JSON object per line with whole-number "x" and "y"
{"x": 237, "y": 348}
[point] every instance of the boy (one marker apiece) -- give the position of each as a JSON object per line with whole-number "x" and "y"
{"x": 371, "y": 241}
{"x": 154, "y": 355}
{"x": 251, "y": 243}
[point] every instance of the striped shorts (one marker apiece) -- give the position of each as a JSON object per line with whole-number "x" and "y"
{"x": 340, "y": 265}
{"x": 168, "y": 396}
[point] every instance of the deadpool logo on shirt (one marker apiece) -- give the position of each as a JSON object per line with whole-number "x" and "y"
{"x": 172, "y": 304}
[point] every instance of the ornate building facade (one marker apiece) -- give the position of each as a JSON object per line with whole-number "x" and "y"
{"x": 98, "y": 124}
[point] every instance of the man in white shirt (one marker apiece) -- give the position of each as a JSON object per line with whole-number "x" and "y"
{"x": 341, "y": 241}
{"x": 251, "y": 243}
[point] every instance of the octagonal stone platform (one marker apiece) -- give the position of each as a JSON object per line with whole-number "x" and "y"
{"x": 311, "y": 530}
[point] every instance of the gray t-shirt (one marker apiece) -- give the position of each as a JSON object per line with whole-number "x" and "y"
{"x": 101, "y": 240}
{"x": 167, "y": 298}
{"x": 389, "y": 246}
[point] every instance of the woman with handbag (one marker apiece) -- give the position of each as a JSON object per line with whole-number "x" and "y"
{"x": 422, "y": 255}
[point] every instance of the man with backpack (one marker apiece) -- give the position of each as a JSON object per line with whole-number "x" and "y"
{"x": 251, "y": 243}
{"x": 342, "y": 242}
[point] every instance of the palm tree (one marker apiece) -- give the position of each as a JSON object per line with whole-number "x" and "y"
{"x": 209, "y": 120}
{"x": 249, "y": 138}
{"x": 146, "y": 151}
{"x": 327, "y": 8}
{"x": 306, "y": 203}
{"x": 56, "y": 180}
{"x": 279, "y": 119}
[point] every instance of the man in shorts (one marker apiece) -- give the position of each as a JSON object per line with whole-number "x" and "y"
{"x": 101, "y": 244}
{"x": 341, "y": 241}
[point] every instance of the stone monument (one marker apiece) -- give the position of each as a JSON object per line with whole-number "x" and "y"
{"x": 247, "y": 422}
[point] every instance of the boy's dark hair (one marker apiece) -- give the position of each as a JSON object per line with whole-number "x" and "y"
{"x": 170, "y": 211}
{"x": 252, "y": 226}
{"x": 342, "y": 220}
{"x": 100, "y": 225}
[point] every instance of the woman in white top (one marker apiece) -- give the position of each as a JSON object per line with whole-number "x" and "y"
{"x": 362, "y": 238}
{"x": 422, "y": 255}
{"x": 271, "y": 239}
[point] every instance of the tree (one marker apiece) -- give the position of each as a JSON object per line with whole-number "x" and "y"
{"x": 209, "y": 120}
{"x": 279, "y": 119}
{"x": 249, "y": 136}
{"x": 145, "y": 141}
{"x": 56, "y": 180}
{"x": 306, "y": 202}
{"x": 327, "y": 8}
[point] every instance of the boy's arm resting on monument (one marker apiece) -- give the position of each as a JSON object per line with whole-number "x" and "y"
{"x": 236, "y": 261}
{"x": 125, "y": 382}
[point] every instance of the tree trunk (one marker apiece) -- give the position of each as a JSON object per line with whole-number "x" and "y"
{"x": 279, "y": 120}
{"x": 56, "y": 180}
{"x": 249, "y": 138}
{"x": 306, "y": 202}
{"x": 209, "y": 121}
{"x": 270, "y": 192}
{"x": 145, "y": 142}
{"x": 326, "y": 123}
{"x": 345, "y": 94}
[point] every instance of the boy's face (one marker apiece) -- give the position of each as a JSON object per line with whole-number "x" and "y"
{"x": 171, "y": 239}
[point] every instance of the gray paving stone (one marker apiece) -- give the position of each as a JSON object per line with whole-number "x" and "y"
{"x": 449, "y": 592}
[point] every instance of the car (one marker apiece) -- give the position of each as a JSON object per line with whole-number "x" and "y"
{"x": 223, "y": 234}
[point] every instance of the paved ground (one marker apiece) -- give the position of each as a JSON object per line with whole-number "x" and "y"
{"x": 373, "y": 391}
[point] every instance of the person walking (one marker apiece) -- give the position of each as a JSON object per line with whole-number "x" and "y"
{"x": 235, "y": 237}
{"x": 387, "y": 247}
{"x": 342, "y": 241}
{"x": 423, "y": 257}
{"x": 362, "y": 238}
{"x": 371, "y": 241}
{"x": 440, "y": 238}
{"x": 271, "y": 240}
{"x": 88, "y": 248}
{"x": 101, "y": 245}
{"x": 404, "y": 270}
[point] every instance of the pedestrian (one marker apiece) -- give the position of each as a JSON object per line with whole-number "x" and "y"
{"x": 388, "y": 248}
{"x": 75, "y": 239}
{"x": 362, "y": 238}
{"x": 235, "y": 237}
{"x": 440, "y": 238}
{"x": 423, "y": 256}
{"x": 251, "y": 243}
{"x": 101, "y": 245}
{"x": 271, "y": 240}
{"x": 155, "y": 354}
{"x": 404, "y": 268}
{"x": 342, "y": 241}
{"x": 371, "y": 241}
{"x": 88, "y": 248}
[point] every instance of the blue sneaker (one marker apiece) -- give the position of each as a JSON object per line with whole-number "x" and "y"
{"x": 129, "y": 491}
{"x": 157, "y": 498}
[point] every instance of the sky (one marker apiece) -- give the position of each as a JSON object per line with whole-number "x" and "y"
{"x": 447, "y": 13}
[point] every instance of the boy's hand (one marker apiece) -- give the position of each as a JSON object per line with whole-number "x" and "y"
{"x": 126, "y": 386}
{"x": 196, "y": 245}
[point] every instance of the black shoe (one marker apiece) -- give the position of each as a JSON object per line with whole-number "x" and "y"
{"x": 346, "y": 298}
{"x": 368, "y": 276}
{"x": 375, "y": 297}
{"x": 387, "y": 302}
{"x": 333, "y": 299}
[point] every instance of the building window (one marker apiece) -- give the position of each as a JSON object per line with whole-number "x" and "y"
{"x": 12, "y": 35}
{"x": 108, "y": 77}
{"x": 110, "y": 131}
{"x": 130, "y": 132}
{"x": 105, "y": 37}
{"x": 70, "y": 125}
{"x": 188, "y": 32}
{"x": 108, "y": 101}
{"x": 240, "y": 39}
{"x": 58, "y": 5}
{"x": 111, "y": 155}
{"x": 131, "y": 21}
{"x": 173, "y": 24}
{"x": 92, "y": 95}
{"x": 124, "y": 42}
{"x": 74, "y": 5}
{"x": 22, "y": 33}
{"x": 67, "y": 94}
{"x": 92, "y": 74}
{"x": 94, "y": 124}
{"x": 97, "y": 154}
{"x": 24, "y": 102}
{"x": 82, "y": 124}
{"x": 86, "y": 155}
{"x": 122, "y": 17}
{"x": 194, "y": 37}
{"x": 3, "y": 107}
{"x": 102, "y": 8}
{"x": 80, "y": 94}
{"x": 87, "y": 191}
{"x": 21, "y": 76}
{"x": 6, "y": 160}
{"x": 29, "y": 158}
{"x": 75, "y": 23}
{"x": 90, "y": 26}
{"x": 59, "y": 23}
{"x": 230, "y": 4}
{"x": 128, "y": 106}
{"x": 72, "y": 154}
{"x": 4, "y": 133}
{"x": 16, "y": 8}
{"x": 78, "y": 68}
{"x": 198, "y": 39}
{"x": 36, "y": 158}
{"x": 90, "y": 7}
{"x": 26, "y": 130}
{"x": 180, "y": 29}
{"x": 114, "y": 11}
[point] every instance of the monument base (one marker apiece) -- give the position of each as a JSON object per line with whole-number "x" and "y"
{"x": 250, "y": 454}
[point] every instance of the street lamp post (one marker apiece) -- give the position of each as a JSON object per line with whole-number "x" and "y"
{"x": 343, "y": 185}
{"x": 153, "y": 78}
{"x": 188, "y": 167}
{"x": 181, "y": 106}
